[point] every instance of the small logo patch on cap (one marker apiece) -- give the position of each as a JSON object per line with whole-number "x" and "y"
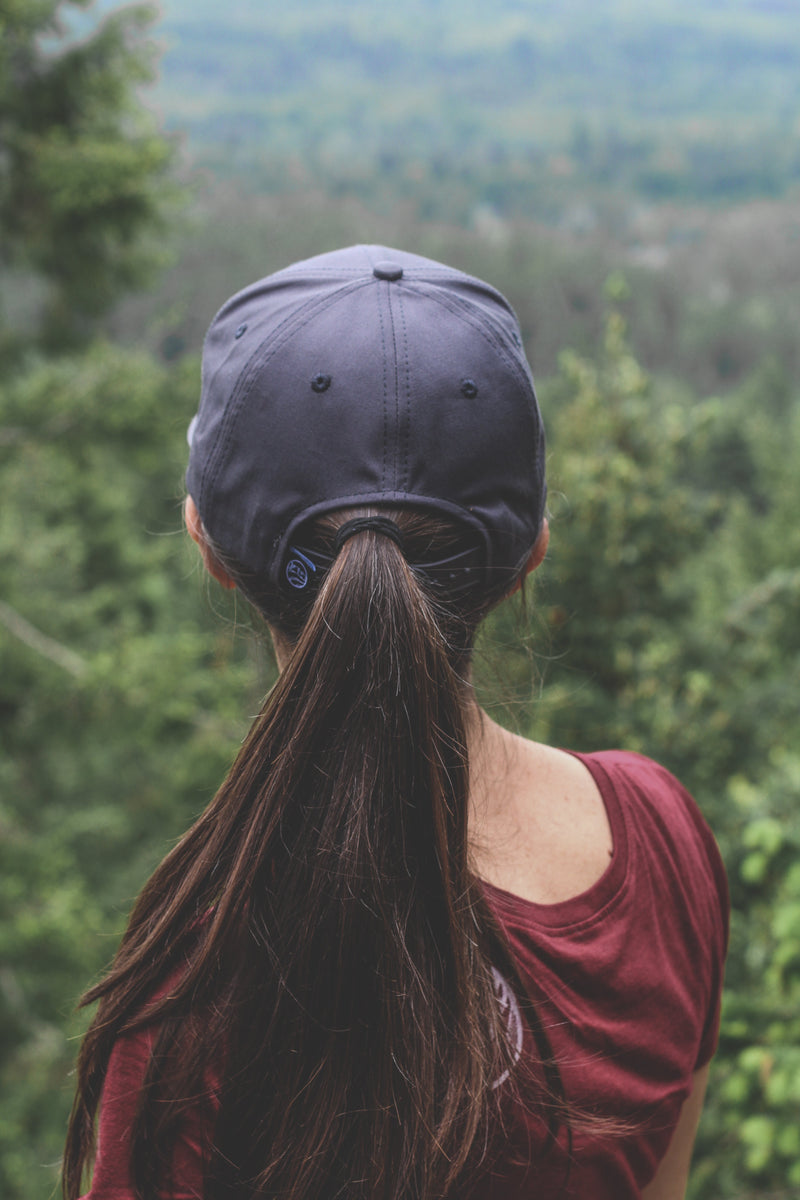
{"x": 297, "y": 569}
{"x": 297, "y": 573}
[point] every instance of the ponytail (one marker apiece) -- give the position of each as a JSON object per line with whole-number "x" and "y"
{"x": 316, "y": 948}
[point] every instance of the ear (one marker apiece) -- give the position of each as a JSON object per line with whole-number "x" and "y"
{"x": 536, "y": 555}
{"x": 198, "y": 534}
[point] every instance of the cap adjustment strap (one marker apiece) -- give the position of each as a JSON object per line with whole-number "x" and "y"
{"x": 378, "y": 524}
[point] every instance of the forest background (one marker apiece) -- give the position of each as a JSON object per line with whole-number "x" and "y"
{"x": 629, "y": 175}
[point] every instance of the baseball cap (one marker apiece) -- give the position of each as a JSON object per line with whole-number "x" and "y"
{"x": 365, "y": 376}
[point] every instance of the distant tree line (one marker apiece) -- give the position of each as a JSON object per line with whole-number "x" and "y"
{"x": 531, "y": 101}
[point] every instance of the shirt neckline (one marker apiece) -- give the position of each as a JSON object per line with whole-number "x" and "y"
{"x": 589, "y": 905}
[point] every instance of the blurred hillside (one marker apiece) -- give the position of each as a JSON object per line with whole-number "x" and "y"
{"x": 526, "y": 100}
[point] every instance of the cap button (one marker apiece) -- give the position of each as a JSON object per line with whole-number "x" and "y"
{"x": 388, "y": 270}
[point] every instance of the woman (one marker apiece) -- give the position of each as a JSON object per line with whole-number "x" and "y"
{"x": 404, "y": 953}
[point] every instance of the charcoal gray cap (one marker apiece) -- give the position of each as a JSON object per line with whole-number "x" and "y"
{"x": 367, "y": 375}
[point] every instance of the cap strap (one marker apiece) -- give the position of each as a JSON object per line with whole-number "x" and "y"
{"x": 378, "y": 524}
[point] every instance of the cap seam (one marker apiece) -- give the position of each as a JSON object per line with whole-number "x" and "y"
{"x": 382, "y": 328}
{"x": 407, "y": 422}
{"x": 396, "y": 389}
{"x": 495, "y": 339}
{"x": 260, "y": 356}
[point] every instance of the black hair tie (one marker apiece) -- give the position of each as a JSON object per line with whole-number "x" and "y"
{"x": 379, "y": 524}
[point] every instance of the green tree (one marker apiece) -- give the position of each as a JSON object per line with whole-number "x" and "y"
{"x": 83, "y": 590}
{"x": 624, "y": 523}
{"x": 122, "y": 700}
{"x": 82, "y": 166}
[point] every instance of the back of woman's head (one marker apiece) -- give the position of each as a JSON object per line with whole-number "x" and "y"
{"x": 369, "y": 470}
{"x": 365, "y": 377}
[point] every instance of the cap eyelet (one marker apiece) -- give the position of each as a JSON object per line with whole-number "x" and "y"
{"x": 469, "y": 388}
{"x": 321, "y": 383}
{"x": 241, "y": 331}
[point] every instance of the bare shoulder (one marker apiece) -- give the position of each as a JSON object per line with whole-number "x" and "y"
{"x": 546, "y": 835}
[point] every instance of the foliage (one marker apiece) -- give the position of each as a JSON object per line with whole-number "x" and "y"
{"x": 121, "y": 699}
{"x": 82, "y": 167}
{"x": 755, "y": 1114}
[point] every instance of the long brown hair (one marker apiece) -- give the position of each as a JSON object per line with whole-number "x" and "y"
{"x": 317, "y": 943}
